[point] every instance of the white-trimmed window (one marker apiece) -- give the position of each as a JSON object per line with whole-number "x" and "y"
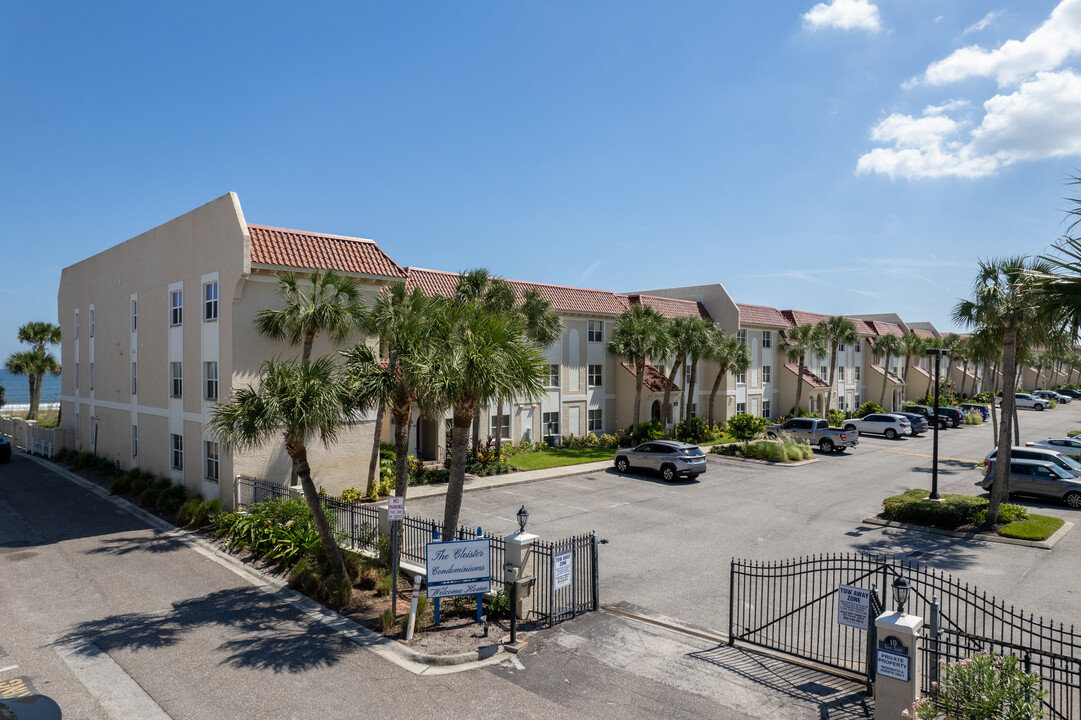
{"x": 134, "y": 377}
{"x": 841, "y": 373}
{"x": 856, "y": 373}
{"x": 692, "y": 408}
{"x": 765, "y": 408}
{"x": 595, "y": 375}
{"x": 176, "y": 457}
{"x": 595, "y": 331}
{"x": 91, "y": 322}
{"x": 741, "y": 335}
{"x": 134, "y": 440}
{"x": 767, "y": 373}
{"x": 550, "y": 423}
{"x": 210, "y": 301}
{"x": 211, "y": 460}
{"x": 210, "y": 373}
{"x": 134, "y": 315}
{"x": 176, "y": 307}
{"x": 742, "y": 378}
{"x": 553, "y": 376}
{"x": 825, "y": 374}
{"x": 741, "y": 408}
{"x": 596, "y": 421}
{"x": 856, "y": 402}
{"x": 767, "y": 339}
{"x": 176, "y": 379}
{"x": 506, "y": 426}
{"x": 858, "y": 345}
{"x": 91, "y": 377}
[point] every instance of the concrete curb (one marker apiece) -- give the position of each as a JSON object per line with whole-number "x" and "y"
{"x": 332, "y": 619}
{"x": 982, "y": 537}
{"x": 753, "y": 461}
{"x": 515, "y": 478}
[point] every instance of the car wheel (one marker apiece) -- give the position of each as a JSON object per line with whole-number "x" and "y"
{"x": 1039, "y": 408}
{"x": 771, "y": 436}
{"x": 1073, "y": 499}
{"x": 622, "y": 465}
{"x": 668, "y": 473}
{"x": 890, "y": 434}
{"x": 693, "y": 477}
{"x": 825, "y": 445}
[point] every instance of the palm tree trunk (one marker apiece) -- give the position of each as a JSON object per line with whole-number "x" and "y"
{"x": 463, "y": 414}
{"x": 373, "y": 462}
{"x": 498, "y": 430}
{"x": 832, "y": 379}
{"x": 639, "y": 378}
{"x": 666, "y": 408}
{"x": 476, "y": 433}
{"x": 964, "y": 377}
{"x": 713, "y": 393}
{"x": 885, "y": 379}
{"x": 1016, "y": 427}
{"x": 1001, "y": 484}
{"x": 35, "y": 397}
{"x": 402, "y": 416}
{"x": 799, "y": 386}
{"x": 690, "y": 388}
{"x": 994, "y": 418}
{"x": 299, "y": 454}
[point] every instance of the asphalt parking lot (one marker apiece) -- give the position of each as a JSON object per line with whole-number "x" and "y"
{"x": 669, "y": 546}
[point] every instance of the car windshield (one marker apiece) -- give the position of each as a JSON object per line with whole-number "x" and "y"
{"x": 1067, "y": 460}
{"x": 1062, "y": 473}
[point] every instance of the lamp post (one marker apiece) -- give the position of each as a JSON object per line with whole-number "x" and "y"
{"x": 523, "y": 518}
{"x": 938, "y": 354}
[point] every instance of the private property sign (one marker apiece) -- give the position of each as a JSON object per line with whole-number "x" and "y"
{"x": 853, "y": 606}
{"x": 461, "y": 567}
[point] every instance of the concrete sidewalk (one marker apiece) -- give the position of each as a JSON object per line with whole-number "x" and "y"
{"x": 476, "y": 482}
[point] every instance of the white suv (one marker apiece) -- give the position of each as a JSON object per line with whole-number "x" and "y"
{"x": 1025, "y": 400}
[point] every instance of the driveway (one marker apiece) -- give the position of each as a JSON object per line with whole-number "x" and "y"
{"x": 668, "y": 546}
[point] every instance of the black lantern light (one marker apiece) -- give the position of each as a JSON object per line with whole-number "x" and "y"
{"x": 901, "y": 590}
{"x": 523, "y": 518}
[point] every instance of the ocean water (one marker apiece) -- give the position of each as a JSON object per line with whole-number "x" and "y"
{"x": 17, "y": 388}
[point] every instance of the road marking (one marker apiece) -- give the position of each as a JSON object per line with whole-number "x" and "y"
{"x": 15, "y": 688}
{"x": 120, "y": 696}
{"x": 898, "y": 452}
{"x": 9, "y": 667}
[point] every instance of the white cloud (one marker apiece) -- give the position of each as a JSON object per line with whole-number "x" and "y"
{"x": 844, "y": 15}
{"x": 948, "y": 106}
{"x": 981, "y": 23}
{"x": 1046, "y": 48}
{"x": 1040, "y": 120}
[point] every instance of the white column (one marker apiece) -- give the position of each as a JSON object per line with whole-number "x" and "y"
{"x": 897, "y": 677}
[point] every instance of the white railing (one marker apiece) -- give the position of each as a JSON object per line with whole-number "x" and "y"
{"x": 25, "y": 434}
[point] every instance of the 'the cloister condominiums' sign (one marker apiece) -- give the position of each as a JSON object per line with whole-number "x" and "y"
{"x": 461, "y": 567}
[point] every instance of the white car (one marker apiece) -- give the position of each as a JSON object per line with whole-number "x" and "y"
{"x": 1052, "y": 395}
{"x": 887, "y": 424}
{"x": 1065, "y": 445}
{"x": 1025, "y": 400}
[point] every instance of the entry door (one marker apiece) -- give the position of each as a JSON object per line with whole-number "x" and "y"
{"x": 526, "y": 418}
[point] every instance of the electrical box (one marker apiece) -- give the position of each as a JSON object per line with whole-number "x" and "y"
{"x": 511, "y": 573}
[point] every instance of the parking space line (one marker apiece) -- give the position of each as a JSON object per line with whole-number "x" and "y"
{"x": 9, "y": 667}
{"x": 898, "y": 452}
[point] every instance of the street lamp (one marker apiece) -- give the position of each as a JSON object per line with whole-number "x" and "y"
{"x": 938, "y": 354}
{"x": 523, "y": 518}
{"x": 901, "y": 590}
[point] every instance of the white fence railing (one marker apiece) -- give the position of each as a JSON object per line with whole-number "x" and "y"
{"x": 25, "y": 434}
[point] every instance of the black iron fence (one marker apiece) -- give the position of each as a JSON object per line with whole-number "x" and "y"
{"x": 566, "y": 579}
{"x": 791, "y": 607}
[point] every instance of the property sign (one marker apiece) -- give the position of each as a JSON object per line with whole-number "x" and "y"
{"x": 460, "y": 567}
{"x": 853, "y": 606}
{"x": 395, "y": 508}
{"x": 893, "y": 658}
{"x": 564, "y": 569}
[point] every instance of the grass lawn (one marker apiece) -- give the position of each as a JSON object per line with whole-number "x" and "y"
{"x": 559, "y": 457}
{"x": 1035, "y": 527}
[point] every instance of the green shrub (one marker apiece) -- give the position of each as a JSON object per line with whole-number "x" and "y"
{"x": 106, "y": 466}
{"x": 384, "y": 585}
{"x": 745, "y": 426}
{"x": 352, "y": 495}
{"x": 172, "y": 498}
{"x": 984, "y": 686}
{"x": 973, "y": 418}
{"x": 207, "y": 511}
{"x": 775, "y": 452}
{"x": 836, "y": 417}
{"x": 63, "y": 455}
{"x": 650, "y": 430}
{"x": 498, "y": 606}
{"x": 387, "y": 621}
{"x": 121, "y": 485}
{"x": 149, "y": 497}
{"x": 1073, "y": 433}
{"x": 950, "y": 513}
{"x": 187, "y": 511}
{"x": 694, "y": 430}
{"x": 1053, "y": 404}
{"x": 867, "y": 408}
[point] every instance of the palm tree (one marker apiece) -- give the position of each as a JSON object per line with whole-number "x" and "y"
{"x": 682, "y": 337}
{"x": 37, "y": 362}
{"x": 332, "y": 305}
{"x": 914, "y": 346}
{"x": 1005, "y": 297}
{"x": 694, "y": 344}
{"x": 639, "y": 334}
{"x": 299, "y": 400}
{"x": 401, "y": 321}
{"x": 959, "y": 353}
{"x": 730, "y": 355}
{"x": 801, "y": 341}
{"x": 836, "y": 331}
{"x": 985, "y": 347}
{"x": 478, "y": 355}
{"x": 890, "y": 346}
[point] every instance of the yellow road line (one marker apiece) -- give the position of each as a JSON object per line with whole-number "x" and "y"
{"x": 898, "y": 452}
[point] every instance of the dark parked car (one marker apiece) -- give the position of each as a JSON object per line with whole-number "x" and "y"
{"x": 919, "y": 422}
{"x": 1038, "y": 478}
{"x": 928, "y": 413}
{"x": 976, "y": 408}
{"x": 668, "y": 457}
{"x": 1075, "y": 394}
{"x": 5, "y": 450}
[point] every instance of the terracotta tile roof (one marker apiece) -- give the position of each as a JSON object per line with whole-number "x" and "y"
{"x": 653, "y": 381}
{"x": 563, "y": 299}
{"x": 894, "y": 378}
{"x": 885, "y": 328}
{"x": 808, "y": 377}
{"x": 799, "y": 317}
{"x": 670, "y": 307}
{"x": 924, "y": 333}
{"x": 295, "y": 248}
{"x": 761, "y": 316}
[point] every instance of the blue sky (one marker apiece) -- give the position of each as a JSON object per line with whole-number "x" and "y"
{"x": 848, "y": 156}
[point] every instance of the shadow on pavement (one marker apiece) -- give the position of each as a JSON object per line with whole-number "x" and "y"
{"x": 126, "y": 545}
{"x": 938, "y": 551}
{"x": 946, "y": 467}
{"x": 264, "y": 632}
{"x": 834, "y": 697}
{"x": 655, "y": 479}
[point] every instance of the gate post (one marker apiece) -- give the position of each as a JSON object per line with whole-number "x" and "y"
{"x": 596, "y": 572}
{"x": 935, "y": 631}
{"x": 897, "y": 664}
{"x": 872, "y": 640}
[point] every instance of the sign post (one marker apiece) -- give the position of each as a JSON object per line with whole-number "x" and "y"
{"x": 395, "y": 513}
